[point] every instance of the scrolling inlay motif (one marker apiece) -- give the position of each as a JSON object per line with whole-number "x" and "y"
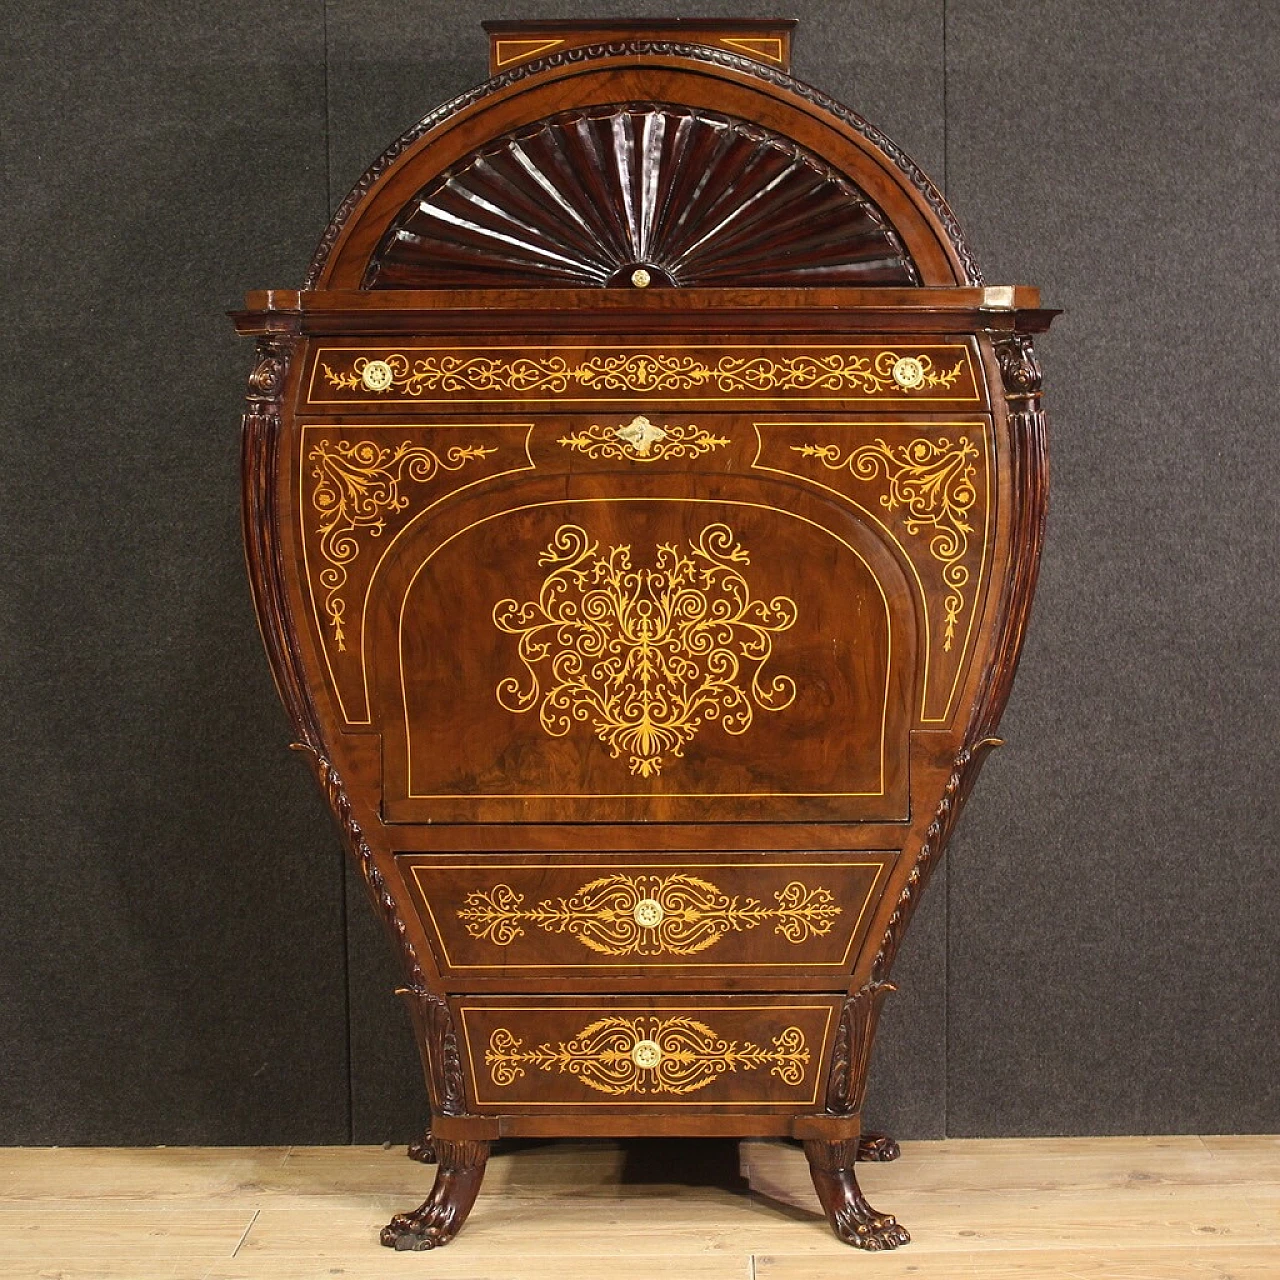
{"x": 645, "y": 655}
{"x": 647, "y": 1055}
{"x": 933, "y": 481}
{"x": 886, "y": 372}
{"x": 641, "y": 441}
{"x": 357, "y": 487}
{"x": 649, "y": 915}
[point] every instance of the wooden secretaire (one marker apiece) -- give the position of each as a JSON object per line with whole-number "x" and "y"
{"x": 643, "y": 500}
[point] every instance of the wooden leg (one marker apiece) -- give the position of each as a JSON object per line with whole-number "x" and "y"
{"x": 878, "y": 1147}
{"x": 852, "y": 1219}
{"x": 423, "y": 1149}
{"x": 458, "y": 1177}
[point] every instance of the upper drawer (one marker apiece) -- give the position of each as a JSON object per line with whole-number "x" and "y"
{"x": 894, "y": 373}
{"x": 587, "y": 916}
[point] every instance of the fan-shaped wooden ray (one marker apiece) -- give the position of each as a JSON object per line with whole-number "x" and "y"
{"x": 588, "y": 196}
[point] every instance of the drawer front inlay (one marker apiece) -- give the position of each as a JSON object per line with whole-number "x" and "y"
{"x": 806, "y": 911}
{"x": 899, "y": 374}
{"x": 622, "y": 915}
{"x": 538, "y": 1054}
{"x": 647, "y": 1055}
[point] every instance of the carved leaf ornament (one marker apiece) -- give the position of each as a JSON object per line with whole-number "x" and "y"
{"x": 645, "y": 656}
{"x": 639, "y": 193}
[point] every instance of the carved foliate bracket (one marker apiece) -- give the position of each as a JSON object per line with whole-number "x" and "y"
{"x": 266, "y": 382}
{"x": 431, "y": 1014}
{"x": 847, "y": 1082}
{"x": 1019, "y": 367}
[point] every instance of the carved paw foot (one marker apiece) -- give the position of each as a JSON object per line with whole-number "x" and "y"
{"x": 423, "y": 1149}
{"x": 852, "y": 1219}
{"x": 440, "y": 1217}
{"x": 860, "y": 1225}
{"x": 877, "y": 1147}
{"x": 427, "y": 1227}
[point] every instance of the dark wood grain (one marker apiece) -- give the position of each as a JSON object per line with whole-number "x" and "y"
{"x": 641, "y": 196}
{"x": 644, "y": 641}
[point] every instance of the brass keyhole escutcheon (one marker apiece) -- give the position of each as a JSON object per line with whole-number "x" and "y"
{"x": 641, "y": 435}
{"x": 908, "y": 372}
{"x": 376, "y": 375}
{"x": 646, "y": 1054}
{"x": 648, "y": 913}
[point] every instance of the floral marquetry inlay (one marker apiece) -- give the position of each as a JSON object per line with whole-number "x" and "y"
{"x": 647, "y": 1055}
{"x": 357, "y": 485}
{"x": 648, "y": 915}
{"x": 933, "y": 483}
{"x": 645, "y": 656}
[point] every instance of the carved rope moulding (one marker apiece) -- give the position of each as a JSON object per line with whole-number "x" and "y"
{"x": 645, "y": 656}
{"x": 409, "y": 375}
{"x": 647, "y": 1055}
{"x": 648, "y": 915}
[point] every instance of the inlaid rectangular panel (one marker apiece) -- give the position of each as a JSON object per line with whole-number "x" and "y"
{"x": 526, "y": 915}
{"x": 895, "y": 373}
{"x": 513, "y": 43}
{"x": 644, "y": 658}
{"x": 544, "y": 1053}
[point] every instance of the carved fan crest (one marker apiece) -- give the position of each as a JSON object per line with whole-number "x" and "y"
{"x": 587, "y": 197}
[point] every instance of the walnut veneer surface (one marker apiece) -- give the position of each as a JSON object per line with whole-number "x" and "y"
{"x": 643, "y": 503}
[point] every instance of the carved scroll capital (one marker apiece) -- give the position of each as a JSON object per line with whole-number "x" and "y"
{"x": 271, "y": 366}
{"x": 1019, "y": 368}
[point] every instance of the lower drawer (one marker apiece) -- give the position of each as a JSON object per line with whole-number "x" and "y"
{"x": 624, "y": 1053}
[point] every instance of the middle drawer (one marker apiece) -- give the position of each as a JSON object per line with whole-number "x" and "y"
{"x": 522, "y": 915}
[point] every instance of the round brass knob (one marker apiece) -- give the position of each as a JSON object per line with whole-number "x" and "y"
{"x": 908, "y": 372}
{"x": 376, "y": 375}
{"x": 648, "y": 913}
{"x": 646, "y": 1054}
{"x": 641, "y": 278}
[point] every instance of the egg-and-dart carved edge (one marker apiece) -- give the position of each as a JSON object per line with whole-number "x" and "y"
{"x": 658, "y": 48}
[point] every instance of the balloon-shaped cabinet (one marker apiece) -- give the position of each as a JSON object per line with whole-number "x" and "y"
{"x": 643, "y": 499}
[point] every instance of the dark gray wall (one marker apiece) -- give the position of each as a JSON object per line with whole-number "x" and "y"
{"x": 1099, "y": 955}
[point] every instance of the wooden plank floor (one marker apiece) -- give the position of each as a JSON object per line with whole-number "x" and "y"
{"x": 1085, "y": 1209}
